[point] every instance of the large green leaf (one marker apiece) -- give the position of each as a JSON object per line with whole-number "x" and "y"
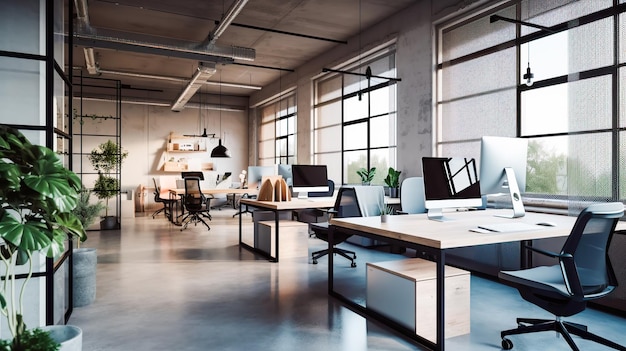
{"x": 70, "y": 223}
{"x": 33, "y": 235}
{"x": 9, "y": 177}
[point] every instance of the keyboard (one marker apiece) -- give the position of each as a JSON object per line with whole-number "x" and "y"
{"x": 510, "y": 227}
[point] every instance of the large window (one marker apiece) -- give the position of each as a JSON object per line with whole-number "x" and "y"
{"x": 277, "y": 140}
{"x": 355, "y": 119}
{"x": 573, "y": 114}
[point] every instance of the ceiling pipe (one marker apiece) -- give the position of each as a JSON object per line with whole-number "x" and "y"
{"x": 176, "y": 79}
{"x": 203, "y": 73}
{"x": 213, "y": 107}
{"x": 226, "y": 20}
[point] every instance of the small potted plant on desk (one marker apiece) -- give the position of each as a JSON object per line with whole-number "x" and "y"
{"x": 37, "y": 196}
{"x": 366, "y": 175}
{"x": 107, "y": 157}
{"x": 393, "y": 182}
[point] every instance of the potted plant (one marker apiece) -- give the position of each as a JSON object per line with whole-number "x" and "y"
{"x": 38, "y": 195}
{"x": 393, "y": 182}
{"x": 105, "y": 158}
{"x": 385, "y": 212}
{"x": 85, "y": 260}
{"x": 366, "y": 175}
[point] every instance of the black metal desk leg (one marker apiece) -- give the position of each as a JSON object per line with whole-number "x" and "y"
{"x": 441, "y": 300}
{"x": 331, "y": 238}
{"x": 275, "y": 236}
{"x": 240, "y": 230}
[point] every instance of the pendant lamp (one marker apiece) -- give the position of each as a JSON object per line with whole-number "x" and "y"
{"x": 220, "y": 150}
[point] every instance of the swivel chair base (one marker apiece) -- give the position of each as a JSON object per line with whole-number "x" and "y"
{"x": 195, "y": 218}
{"x": 529, "y": 325}
{"x": 345, "y": 253}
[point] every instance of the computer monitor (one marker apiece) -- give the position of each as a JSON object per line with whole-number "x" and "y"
{"x": 285, "y": 172}
{"x": 450, "y": 182}
{"x": 309, "y": 178}
{"x": 256, "y": 173}
{"x": 503, "y": 169}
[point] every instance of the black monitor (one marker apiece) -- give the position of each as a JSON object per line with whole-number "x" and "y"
{"x": 309, "y": 178}
{"x": 450, "y": 182}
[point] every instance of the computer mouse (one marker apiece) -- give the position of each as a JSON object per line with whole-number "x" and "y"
{"x": 546, "y": 224}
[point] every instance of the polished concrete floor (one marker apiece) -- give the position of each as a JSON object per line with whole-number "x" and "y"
{"x": 163, "y": 289}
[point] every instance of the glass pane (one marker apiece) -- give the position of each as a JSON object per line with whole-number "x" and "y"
{"x": 58, "y": 104}
{"x": 579, "y": 49}
{"x": 382, "y": 101}
{"x": 383, "y": 131}
{"x": 469, "y": 78}
{"x": 291, "y": 125}
{"x": 355, "y": 136}
{"x": 382, "y": 159}
{"x": 353, "y": 161}
{"x": 547, "y": 166}
{"x": 622, "y": 100}
{"x": 477, "y": 35}
{"x": 333, "y": 163}
{"x": 328, "y": 139}
{"x": 22, "y": 87}
{"x": 550, "y": 13}
{"x": 291, "y": 145}
{"x": 479, "y": 115}
{"x": 354, "y": 108}
{"x": 622, "y": 165}
{"x": 22, "y": 24}
{"x": 327, "y": 115}
{"x": 328, "y": 89}
{"x": 622, "y": 37}
{"x": 281, "y": 127}
{"x": 60, "y": 39}
{"x": 281, "y": 147}
{"x": 567, "y": 107}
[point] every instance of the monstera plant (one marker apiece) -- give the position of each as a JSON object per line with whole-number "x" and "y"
{"x": 37, "y": 195}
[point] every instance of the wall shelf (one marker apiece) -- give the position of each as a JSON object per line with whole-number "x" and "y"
{"x": 185, "y": 153}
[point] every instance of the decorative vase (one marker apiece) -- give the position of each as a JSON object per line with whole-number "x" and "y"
{"x": 84, "y": 273}
{"x": 70, "y": 337}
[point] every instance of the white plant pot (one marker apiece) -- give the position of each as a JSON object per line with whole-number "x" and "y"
{"x": 383, "y": 218}
{"x": 69, "y": 336}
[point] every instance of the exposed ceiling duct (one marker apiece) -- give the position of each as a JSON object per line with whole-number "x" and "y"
{"x": 88, "y": 36}
{"x": 204, "y": 72}
{"x": 177, "y": 79}
{"x": 227, "y": 19}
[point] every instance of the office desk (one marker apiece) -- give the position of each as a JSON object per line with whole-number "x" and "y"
{"x": 435, "y": 238}
{"x": 212, "y": 191}
{"x": 276, "y": 207}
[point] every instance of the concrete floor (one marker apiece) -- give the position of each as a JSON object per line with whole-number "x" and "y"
{"x": 163, "y": 289}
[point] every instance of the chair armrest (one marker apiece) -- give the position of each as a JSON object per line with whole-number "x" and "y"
{"x": 549, "y": 253}
{"x": 401, "y": 213}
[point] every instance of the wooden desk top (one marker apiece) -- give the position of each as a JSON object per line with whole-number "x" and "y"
{"x": 181, "y": 191}
{"x": 417, "y": 228}
{"x": 294, "y": 204}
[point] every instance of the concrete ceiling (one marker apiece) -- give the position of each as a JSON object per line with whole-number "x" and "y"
{"x": 190, "y": 21}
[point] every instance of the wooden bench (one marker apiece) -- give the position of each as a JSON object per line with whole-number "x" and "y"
{"x": 406, "y": 292}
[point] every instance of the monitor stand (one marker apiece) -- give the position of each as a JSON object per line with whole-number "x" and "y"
{"x": 303, "y": 195}
{"x": 516, "y": 196}
{"x": 436, "y": 214}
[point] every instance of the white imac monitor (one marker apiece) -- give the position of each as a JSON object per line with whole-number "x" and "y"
{"x": 285, "y": 172}
{"x": 503, "y": 169}
{"x": 256, "y": 173}
{"x": 309, "y": 178}
{"x": 450, "y": 182}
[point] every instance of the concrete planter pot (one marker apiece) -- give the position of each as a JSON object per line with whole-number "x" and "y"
{"x": 84, "y": 265}
{"x": 70, "y": 337}
{"x": 109, "y": 223}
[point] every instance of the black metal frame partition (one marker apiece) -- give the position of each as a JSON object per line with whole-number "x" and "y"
{"x": 52, "y": 133}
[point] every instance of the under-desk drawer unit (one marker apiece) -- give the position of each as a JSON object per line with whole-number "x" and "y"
{"x": 406, "y": 292}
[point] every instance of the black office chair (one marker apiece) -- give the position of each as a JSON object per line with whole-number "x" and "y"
{"x": 313, "y": 215}
{"x": 346, "y": 205}
{"x": 194, "y": 174}
{"x": 196, "y": 204}
{"x": 584, "y": 273}
{"x": 167, "y": 203}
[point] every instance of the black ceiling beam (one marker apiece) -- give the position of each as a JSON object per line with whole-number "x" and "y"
{"x": 288, "y": 33}
{"x": 265, "y": 67}
{"x": 367, "y": 75}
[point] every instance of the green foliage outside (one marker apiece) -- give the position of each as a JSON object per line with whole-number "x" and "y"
{"x": 351, "y": 172}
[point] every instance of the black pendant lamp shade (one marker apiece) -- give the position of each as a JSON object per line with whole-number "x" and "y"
{"x": 220, "y": 150}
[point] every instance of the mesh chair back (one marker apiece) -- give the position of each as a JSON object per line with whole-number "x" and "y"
{"x": 194, "y": 174}
{"x": 590, "y": 270}
{"x": 193, "y": 194}
{"x": 157, "y": 191}
{"x": 347, "y": 204}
